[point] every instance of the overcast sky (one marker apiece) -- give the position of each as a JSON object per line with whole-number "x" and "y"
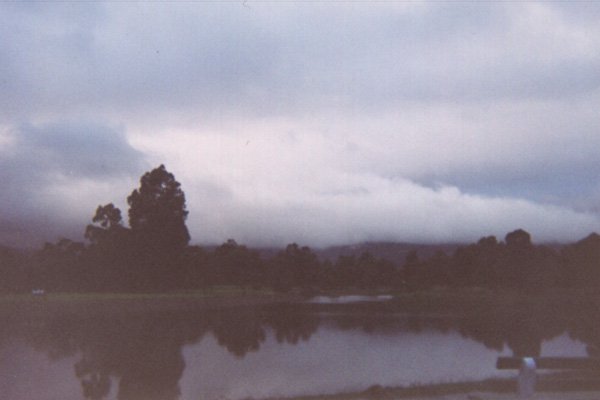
{"x": 319, "y": 123}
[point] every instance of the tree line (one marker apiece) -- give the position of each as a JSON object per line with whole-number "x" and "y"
{"x": 153, "y": 254}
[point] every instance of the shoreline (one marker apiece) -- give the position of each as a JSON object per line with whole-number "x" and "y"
{"x": 85, "y": 304}
{"x": 431, "y": 302}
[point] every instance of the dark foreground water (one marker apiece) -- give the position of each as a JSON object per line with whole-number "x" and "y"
{"x": 276, "y": 350}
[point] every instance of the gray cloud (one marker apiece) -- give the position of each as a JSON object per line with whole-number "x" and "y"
{"x": 315, "y": 122}
{"x": 286, "y": 58}
{"x": 77, "y": 149}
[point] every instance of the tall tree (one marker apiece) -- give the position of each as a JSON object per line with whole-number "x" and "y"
{"x": 157, "y": 210}
{"x": 157, "y": 214}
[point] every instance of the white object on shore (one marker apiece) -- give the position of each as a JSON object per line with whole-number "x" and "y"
{"x": 527, "y": 378}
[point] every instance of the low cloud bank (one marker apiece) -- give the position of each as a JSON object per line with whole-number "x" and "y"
{"x": 383, "y": 211}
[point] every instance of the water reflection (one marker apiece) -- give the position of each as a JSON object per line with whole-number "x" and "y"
{"x": 131, "y": 356}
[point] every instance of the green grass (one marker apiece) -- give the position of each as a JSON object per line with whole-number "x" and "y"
{"x": 217, "y": 291}
{"x": 431, "y": 300}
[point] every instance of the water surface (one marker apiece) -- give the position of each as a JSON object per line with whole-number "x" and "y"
{"x": 278, "y": 350}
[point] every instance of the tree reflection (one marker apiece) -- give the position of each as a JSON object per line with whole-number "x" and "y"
{"x": 239, "y": 331}
{"x": 522, "y": 328}
{"x": 587, "y": 328}
{"x": 95, "y": 381}
{"x": 292, "y": 324}
{"x": 142, "y": 353}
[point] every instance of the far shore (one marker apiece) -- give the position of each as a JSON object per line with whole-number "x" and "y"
{"x": 434, "y": 300}
{"x": 439, "y": 301}
{"x": 63, "y": 304}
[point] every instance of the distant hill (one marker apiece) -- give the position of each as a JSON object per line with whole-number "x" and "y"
{"x": 394, "y": 252}
{"x": 391, "y": 251}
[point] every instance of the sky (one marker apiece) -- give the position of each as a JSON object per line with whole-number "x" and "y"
{"x": 320, "y": 123}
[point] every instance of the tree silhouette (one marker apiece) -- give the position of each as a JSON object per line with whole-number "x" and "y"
{"x": 108, "y": 259}
{"x": 582, "y": 262}
{"x": 157, "y": 210}
{"x": 106, "y": 221}
{"x": 56, "y": 266}
{"x": 12, "y": 270}
{"x": 295, "y": 267}
{"x": 235, "y": 264}
{"x": 411, "y": 269}
{"x": 157, "y": 216}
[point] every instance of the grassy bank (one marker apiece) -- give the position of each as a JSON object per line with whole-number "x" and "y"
{"x": 217, "y": 291}
{"x": 474, "y": 301}
{"x": 434, "y": 301}
{"x": 47, "y": 305}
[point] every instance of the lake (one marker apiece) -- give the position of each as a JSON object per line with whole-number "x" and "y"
{"x": 318, "y": 347}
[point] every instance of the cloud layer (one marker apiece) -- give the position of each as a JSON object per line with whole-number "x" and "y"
{"x": 319, "y": 123}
